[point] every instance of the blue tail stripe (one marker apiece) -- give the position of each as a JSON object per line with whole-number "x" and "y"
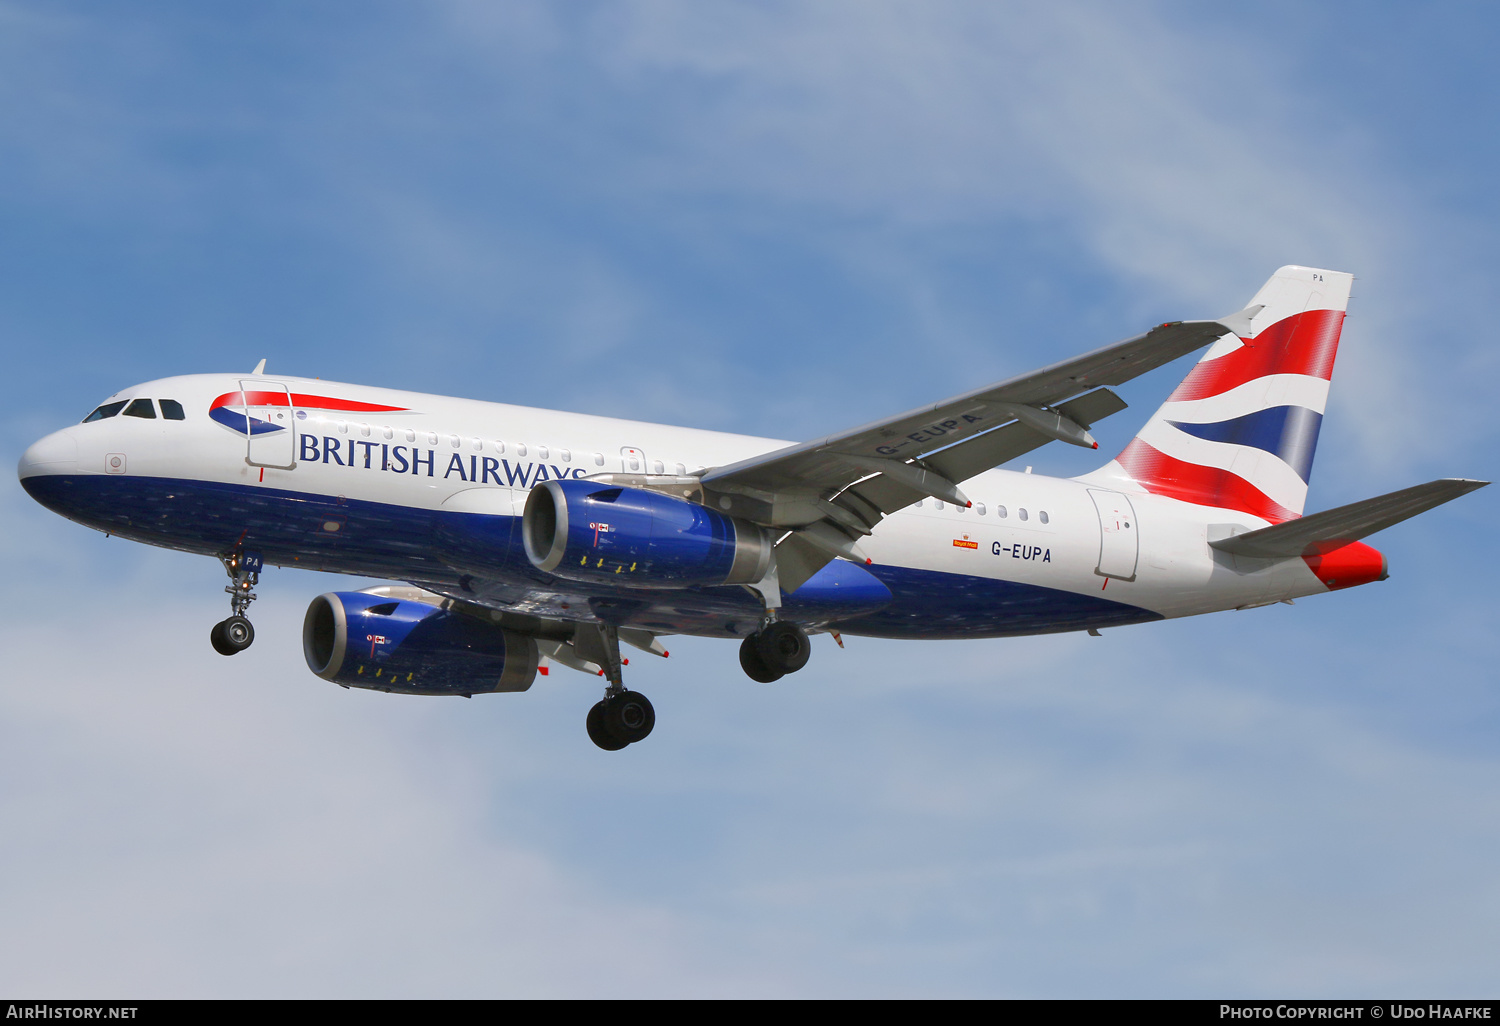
{"x": 1288, "y": 432}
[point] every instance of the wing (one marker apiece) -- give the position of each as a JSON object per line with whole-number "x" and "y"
{"x": 831, "y": 491}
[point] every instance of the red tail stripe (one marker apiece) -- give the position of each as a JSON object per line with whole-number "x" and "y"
{"x": 1161, "y": 474}
{"x": 1304, "y": 343}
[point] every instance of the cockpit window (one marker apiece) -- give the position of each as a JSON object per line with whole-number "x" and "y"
{"x": 107, "y": 410}
{"x": 171, "y": 409}
{"x": 141, "y": 408}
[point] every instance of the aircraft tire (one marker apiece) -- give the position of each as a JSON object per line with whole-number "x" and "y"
{"x": 783, "y": 647}
{"x": 220, "y": 643}
{"x": 237, "y": 633}
{"x": 599, "y": 733}
{"x": 754, "y": 666}
{"x": 629, "y": 716}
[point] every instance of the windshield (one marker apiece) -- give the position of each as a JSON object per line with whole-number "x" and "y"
{"x": 107, "y": 410}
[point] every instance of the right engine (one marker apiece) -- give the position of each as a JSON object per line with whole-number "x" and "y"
{"x": 362, "y": 640}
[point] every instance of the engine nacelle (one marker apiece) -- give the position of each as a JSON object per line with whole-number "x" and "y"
{"x": 371, "y": 641}
{"x": 597, "y": 533}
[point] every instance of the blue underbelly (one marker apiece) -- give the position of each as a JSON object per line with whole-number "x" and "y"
{"x": 480, "y": 556}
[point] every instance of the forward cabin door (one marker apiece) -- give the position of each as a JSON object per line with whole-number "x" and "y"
{"x": 270, "y": 438}
{"x": 1119, "y": 544}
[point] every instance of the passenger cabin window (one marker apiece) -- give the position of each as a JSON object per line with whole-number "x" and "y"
{"x": 937, "y": 503}
{"x": 1022, "y": 512}
{"x": 979, "y": 508}
{"x": 657, "y": 467}
{"x": 598, "y": 456}
{"x": 141, "y": 408}
{"x": 1001, "y": 512}
{"x": 566, "y": 455}
{"x": 542, "y": 451}
{"x": 106, "y": 411}
{"x": 171, "y": 409}
{"x": 1042, "y": 516}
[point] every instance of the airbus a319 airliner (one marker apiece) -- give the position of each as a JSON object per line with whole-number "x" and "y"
{"x": 526, "y": 537}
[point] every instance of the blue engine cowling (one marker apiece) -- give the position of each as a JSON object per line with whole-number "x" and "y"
{"x": 371, "y": 641}
{"x": 597, "y": 533}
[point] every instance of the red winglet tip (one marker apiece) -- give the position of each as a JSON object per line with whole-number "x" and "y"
{"x": 1096, "y": 445}
{"x": 868, "y": 561}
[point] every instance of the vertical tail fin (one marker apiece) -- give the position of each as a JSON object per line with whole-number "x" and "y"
{"x": 1240, "y": 430}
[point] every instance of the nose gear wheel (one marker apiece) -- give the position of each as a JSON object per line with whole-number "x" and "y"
{"x": 234, "y": 635}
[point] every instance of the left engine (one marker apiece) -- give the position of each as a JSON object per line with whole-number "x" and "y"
{"x": 362, "y": 640}
{"x": 598, "y": 533}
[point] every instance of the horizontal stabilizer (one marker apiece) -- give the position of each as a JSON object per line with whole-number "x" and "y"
{"x": 1346, "y": 523}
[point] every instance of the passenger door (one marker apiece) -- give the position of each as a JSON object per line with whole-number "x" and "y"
{"x": 1119, "y": 544}
{"x": 270, "y": 437}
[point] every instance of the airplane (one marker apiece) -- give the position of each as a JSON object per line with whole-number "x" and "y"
{"x": 524, "y": 538}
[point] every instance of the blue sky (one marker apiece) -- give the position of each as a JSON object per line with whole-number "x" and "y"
{"x": 779, "y": 219}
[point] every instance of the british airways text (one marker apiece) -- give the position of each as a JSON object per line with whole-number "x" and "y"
{"x": 409, "y": 459}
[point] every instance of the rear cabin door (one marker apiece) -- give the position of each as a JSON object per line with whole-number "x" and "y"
{"x": 1119, "y": 544}
{"x": 270, "y": 438}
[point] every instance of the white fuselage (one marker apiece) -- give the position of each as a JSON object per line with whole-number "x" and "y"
{"x": 1075, "y": 543}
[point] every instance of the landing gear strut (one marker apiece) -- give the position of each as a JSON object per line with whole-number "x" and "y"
{"x": 774, "y": 651}
{"x": 234, "y": 635}
{"x": 622, "y": 717}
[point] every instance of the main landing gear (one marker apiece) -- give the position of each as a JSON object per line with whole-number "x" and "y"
{"x": 622, "y": 717}
{"x": 234, "y": 635}
{"x": 777, "y": 649}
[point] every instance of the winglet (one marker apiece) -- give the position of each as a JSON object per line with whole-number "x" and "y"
{"x": 260, "y": 368}
{"x": 1239, "y": 323}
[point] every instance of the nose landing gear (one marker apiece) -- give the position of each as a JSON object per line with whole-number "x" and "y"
{"x": 234, "y": 635}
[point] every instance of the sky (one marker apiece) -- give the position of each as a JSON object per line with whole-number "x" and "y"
{"x": 778, "y": 219}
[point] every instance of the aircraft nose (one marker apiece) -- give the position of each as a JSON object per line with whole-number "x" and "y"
{"x": 55, "y": 454}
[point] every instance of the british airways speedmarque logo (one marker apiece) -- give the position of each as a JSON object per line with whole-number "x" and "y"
{"x": 232, "y": 408}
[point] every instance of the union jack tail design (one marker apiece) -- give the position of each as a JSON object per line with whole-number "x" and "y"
{"x": 1240, "y": 430}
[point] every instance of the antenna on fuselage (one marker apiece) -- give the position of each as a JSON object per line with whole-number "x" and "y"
{"x": 260, "y": 368}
